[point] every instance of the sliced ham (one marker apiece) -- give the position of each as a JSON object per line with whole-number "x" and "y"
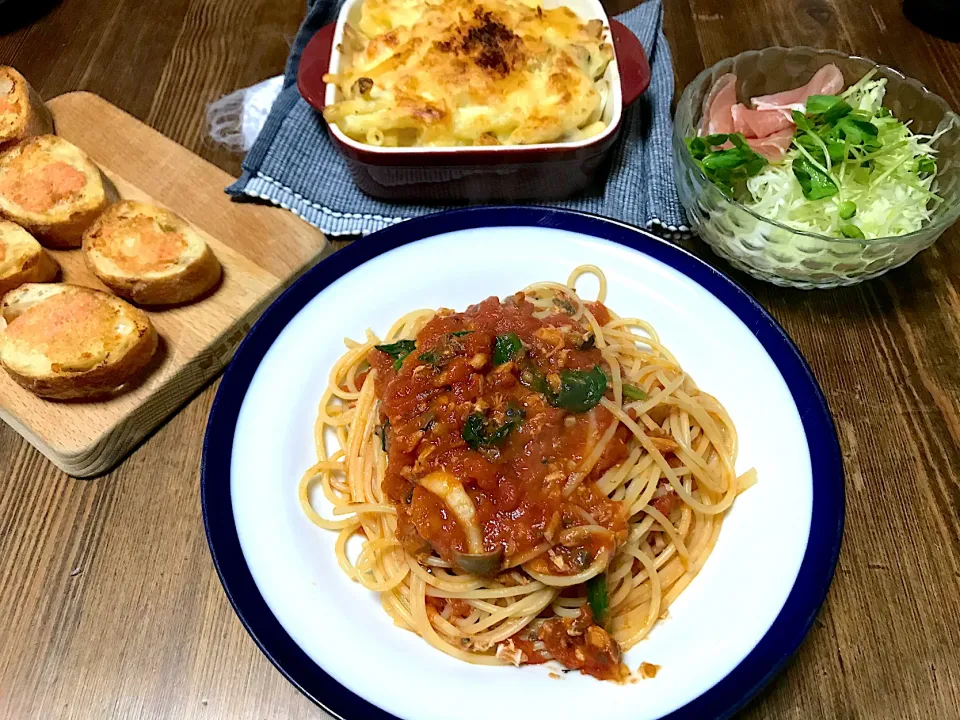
{"x": 758, "y": 123}
{"x": 774, "y": 146}
{"x": 717, "y": 115}
{"x": 828, "y": 80}
{"x": 769, "y": 127}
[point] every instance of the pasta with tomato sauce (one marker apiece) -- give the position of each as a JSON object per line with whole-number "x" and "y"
{"x": 532, "y": 479}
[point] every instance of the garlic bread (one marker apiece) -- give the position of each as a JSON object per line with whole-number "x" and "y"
{"x": 67, "y": 342}
{"x": 22, "y": 112}
{"x": 22, "y": 259}
{"x": 149, "y": 255}
{"x": 52, "y": 189}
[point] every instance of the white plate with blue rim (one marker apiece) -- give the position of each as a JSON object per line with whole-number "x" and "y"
{"x": 725, "y": 637}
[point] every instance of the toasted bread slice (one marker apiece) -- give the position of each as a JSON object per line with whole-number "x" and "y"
{"x": 69, "y": 342}
{"x": 52, "y": 189}
{"x": 22, "y": 260}
{"x": 22, "y": 112}
{"x": 149, "y": 255}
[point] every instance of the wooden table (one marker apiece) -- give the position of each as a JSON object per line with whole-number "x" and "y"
{"x": 109, "y": 604}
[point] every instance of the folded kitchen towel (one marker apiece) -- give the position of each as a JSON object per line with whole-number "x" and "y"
{"x": 294, "y": 164}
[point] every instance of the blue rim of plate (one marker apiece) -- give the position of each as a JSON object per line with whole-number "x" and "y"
{"x": 826, "y": 526}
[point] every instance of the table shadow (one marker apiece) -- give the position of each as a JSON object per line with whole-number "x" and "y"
{"x": 17, "y": 14}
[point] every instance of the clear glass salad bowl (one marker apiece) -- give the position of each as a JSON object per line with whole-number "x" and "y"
{"x": 779, "y": 254}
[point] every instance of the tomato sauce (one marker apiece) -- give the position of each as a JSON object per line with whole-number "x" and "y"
{"x": 516, "y": 481}
{"x": 579, "y": 644}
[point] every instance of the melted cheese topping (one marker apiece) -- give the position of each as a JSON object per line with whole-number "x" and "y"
{"x": 144, "y": 247}
{"x": 468, "y": 72}
{"x": 75, "y": 332}
{"x": 139, "y": 239}
{"x": 43, "y": 174}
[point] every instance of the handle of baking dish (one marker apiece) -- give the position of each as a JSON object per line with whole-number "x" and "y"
{"x": 314, "y": 64}
{"x": 632, "y": 62}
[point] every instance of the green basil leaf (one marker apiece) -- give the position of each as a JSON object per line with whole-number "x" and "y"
{"x": 461, "y": 333}
{"x": 474, "y": 433}
{"x": 632, "y": 392}
{"x": 499, "y": 436}
{"x": 580, "y": 391}
{"x": 506, "y": 348}
{"x": 428, "y": 357}
{"x": 532, "y": 378}
{"x": 597, "y": 597}
{"x": 815, "y": 184}
{"x": 398, "y": 351}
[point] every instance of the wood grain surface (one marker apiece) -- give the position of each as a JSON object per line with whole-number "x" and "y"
{"x": 109, "y": 604}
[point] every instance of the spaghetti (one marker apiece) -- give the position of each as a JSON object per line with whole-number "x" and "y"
{"x": 534, "y": 479}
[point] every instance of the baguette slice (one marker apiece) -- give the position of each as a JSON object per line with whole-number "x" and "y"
{"x": 22, "y": 259}
{"x": 22, "y": 112}
{"x": 149, "y": 255}
{"x": 52, "y": 189}
{"x": 67, "y": 342}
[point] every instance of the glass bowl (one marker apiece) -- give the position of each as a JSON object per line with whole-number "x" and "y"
{"x": 777, "y": 253}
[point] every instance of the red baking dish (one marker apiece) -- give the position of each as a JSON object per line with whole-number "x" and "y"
{"x": 480, "y": 174}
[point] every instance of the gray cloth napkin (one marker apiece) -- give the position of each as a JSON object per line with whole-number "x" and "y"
{"x": 294, "y": 164}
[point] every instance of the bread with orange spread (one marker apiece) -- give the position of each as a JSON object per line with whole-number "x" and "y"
{"x": 149, "y": 255}
{"x": 22, "y": 259}
{"x": 22, "y": 112}
{"x": 52, "y": 189}
{"x": 67, "y": 342}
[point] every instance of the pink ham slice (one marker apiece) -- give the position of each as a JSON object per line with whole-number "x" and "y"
{"x": 769, "y": 128}
{"x": 773, "y": 146}
{"x": 717, "y": 115}
{"x": 828, "y": 80}
{"x": 758, "y": 123}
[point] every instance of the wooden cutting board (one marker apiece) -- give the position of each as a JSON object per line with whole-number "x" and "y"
{"x": 262, "y": 249}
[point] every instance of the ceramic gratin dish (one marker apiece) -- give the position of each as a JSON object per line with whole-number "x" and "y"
{"x": 548, "y": 171}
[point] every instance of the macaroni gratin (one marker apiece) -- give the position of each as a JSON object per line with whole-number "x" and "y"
{"x": 428, "y": 73}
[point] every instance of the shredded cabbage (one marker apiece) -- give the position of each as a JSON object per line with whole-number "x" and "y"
{"x": 894, "y": 198}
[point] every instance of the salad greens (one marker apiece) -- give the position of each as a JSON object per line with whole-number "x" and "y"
{"x": 729, "y": 168}
{"x": 853, "y": 170}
